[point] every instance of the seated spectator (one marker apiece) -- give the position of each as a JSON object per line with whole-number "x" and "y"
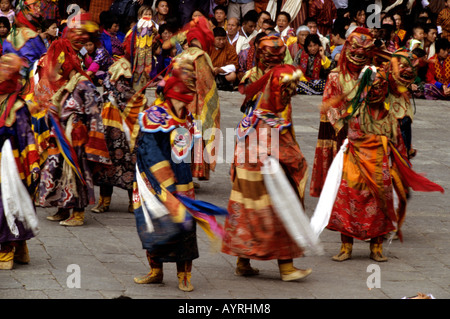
{"x": 161, "y": 12}
{"x": 5, "y": 27}
{"x": 421, "y": 66}
{"x": 314, "y": 63}
{"x": 220, "y": 16}
{"x": 338, "y": 39}
{"x": 247, "y": 57}
{"x": 111, "y": 38}
{"x": 248, "y": 25}
{"x": 438, "y": 74}
{"x": 312, "y": 25}
{"x": 287, "y": 33}
{"x": 302, "y": 32}
{"x": 431, "y": 32}
{"x": 97, "y": 60}
{"x": 387, "y": 36}
{"x": 262, "y": 16}
{"x": 239, "y": 42}
{"x": 224, "y": 60}
{"x": 268, "y": 24}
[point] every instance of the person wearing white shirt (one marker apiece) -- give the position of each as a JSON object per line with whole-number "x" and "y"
{"x": 234, "y": 38}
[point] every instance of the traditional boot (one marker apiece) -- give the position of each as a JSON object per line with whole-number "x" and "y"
{"x": 288, "y": 272}
{"x": 376, "y": 249}
{"x": 184, "y": 275}
{"x": 21, "y": 254}
{"x": 346, "y": 249}
{"x": 76, "y": 219}
{"x": 345, "y": 253}
{"x": 61, "y": 214}
{"x": 243, "y": 268}
{"x": 103, "y": 205}
{"x": 7, "y": 256}
{"x": 155, "y": 276}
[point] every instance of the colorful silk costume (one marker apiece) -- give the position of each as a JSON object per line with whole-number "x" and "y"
{"x": 15, "y": 128}
{"x": 253, "y": 229}
{"x": 341, "y": 85}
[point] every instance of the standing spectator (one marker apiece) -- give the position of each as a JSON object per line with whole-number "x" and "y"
{"x": 239, "y": 8}
{"x": 443, "y": 20}
{"x": 161, "y": 12}
{"x": 111, "y": 36}
{"x": 239, "y": 42}
{"x": 50, "y": 10}
{"x": 248, "y": 29}
{"x": 324, "y": 12}
{"x": 438, "y": 74}
{"x": 261, "y": 5}
{"x": 338, "y": 39}
{"x": 6, "y": 10}
{"x": 358, "y": 16}
{"x": 224, "y": 60}
{"x": 399, "y": 31}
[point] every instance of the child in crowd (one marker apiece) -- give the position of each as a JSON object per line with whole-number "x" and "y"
{"x": 97, "y": 60}
{"x": 417, "y": 41}
{"x": 5, "y": 27}
{"x": 6, "y": 10}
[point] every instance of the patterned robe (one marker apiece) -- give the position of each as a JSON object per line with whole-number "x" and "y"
{"x": 73, "y": 141}
{"x": 18, "y": 130}
{"x": 253, "y": 229}
{"x": 174, "y": 236}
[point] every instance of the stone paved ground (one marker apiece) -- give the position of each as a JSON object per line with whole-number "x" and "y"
{"x": 108, "y": 252}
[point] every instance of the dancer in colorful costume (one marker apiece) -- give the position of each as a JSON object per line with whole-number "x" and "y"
{"x": 254, "y": 230}
{"x": 401, "y": 72}
{"x": 205, "y": 106}
{"x": 19, "y": 167}
{"x": 342, "y": 85}
{"x": 122, "y": 105}
{"x": 68, "y": 127}
{"x": 374, "y": 169}
{"x": 163, "y": 193}
{"x": 24, "y": 39}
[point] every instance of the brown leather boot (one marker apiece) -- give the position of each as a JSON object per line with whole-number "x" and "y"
{"x": 243, "y": 268}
